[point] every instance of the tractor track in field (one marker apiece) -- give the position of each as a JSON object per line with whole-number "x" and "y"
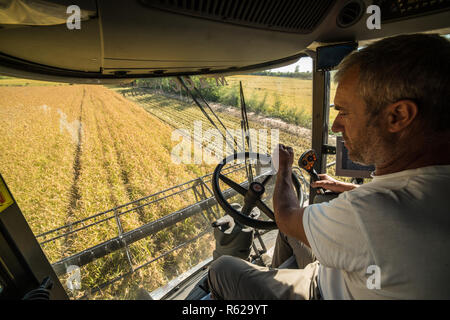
{"x": 75, "y": 195}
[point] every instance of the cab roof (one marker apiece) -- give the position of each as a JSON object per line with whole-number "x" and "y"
{"x": 118, "y": 40}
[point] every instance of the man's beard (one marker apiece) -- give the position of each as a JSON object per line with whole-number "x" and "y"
{"x": 373, "y": 146}
{"x": 358, "y": 152}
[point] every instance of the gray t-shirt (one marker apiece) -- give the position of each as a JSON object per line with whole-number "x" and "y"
{"x": 387, "y": 239}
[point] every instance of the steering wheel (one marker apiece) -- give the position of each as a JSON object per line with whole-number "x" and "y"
{"x": 252, "y": 192}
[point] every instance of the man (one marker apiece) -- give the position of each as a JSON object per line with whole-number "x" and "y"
{"x": 386, "y": 239}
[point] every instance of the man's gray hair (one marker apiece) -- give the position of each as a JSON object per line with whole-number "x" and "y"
{"x": 415, "y": 67}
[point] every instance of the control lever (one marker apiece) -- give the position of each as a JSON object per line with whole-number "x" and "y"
{"x": 219, "y": 223}
{"x": 306, "y": 162}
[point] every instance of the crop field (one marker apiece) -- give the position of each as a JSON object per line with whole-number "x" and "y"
{"x": 14, "y": 82}
{"x": 70, "y": 152}
{"x": 286, "y": 93}
{"x": 284, "y": 98}
{"x": 182, "y": 114}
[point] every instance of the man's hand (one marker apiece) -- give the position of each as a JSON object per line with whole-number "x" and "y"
{"x": 331, "y": 184}
{"x": 283, "y": 158}
{"x": 288, "y": 214}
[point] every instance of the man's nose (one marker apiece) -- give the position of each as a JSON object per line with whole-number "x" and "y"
{"x": 337, "y": 125}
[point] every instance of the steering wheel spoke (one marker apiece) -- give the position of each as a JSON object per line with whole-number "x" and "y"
{"x": 266, "y": 179}
{"x": 264, "y": 208}
{"x": 237, "y": 187}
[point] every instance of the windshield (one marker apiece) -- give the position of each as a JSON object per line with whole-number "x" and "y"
{"x": 115, "y": 181}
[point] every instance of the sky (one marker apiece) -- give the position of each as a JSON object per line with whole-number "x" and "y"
{"x": 305, "y": 64}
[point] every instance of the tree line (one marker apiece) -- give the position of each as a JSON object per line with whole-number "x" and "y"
{"x": 298, "y": 75}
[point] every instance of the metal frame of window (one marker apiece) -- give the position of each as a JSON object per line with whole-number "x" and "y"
{"x": 320, "y": 118}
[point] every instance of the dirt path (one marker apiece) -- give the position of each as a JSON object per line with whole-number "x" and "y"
{"x": 270, "y": 122}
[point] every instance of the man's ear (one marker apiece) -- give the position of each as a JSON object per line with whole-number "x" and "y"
{"x": 400, "y": 114}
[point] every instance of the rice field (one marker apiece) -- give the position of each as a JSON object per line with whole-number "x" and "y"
{"x": 69, "y": 152}
{"x": 14, "y": 82}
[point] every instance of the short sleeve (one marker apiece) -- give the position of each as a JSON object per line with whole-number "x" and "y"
{"x": 334, "y": 235}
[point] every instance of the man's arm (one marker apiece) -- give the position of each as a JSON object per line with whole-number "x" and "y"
{"x": 331, "y": 184}
{"x": 288, "y": 214}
